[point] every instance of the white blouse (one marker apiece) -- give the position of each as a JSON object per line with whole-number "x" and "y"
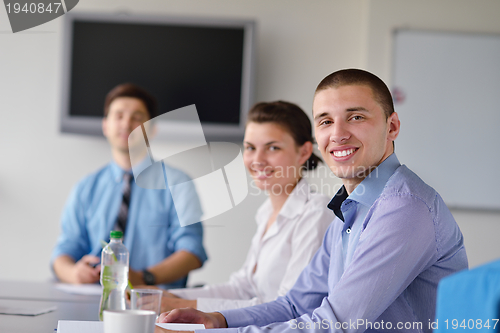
{"x": 278, "y": 256}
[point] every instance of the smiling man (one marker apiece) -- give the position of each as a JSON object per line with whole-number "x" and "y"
{"x": 161, "y": 251}
{"x": 355, "y": 133}
{"x": 391, "y": 242}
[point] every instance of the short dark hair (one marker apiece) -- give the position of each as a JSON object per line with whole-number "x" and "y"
{"x": 291, "y": 118}
{"x": 353, "y": 76}
{"x": 132, "y": 90}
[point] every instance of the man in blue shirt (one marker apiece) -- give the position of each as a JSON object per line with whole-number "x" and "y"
{"x": 392, "y": 241}
{"x": 161, "y": 251}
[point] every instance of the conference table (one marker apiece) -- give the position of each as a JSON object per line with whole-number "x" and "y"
{"x": 27, "y": 294}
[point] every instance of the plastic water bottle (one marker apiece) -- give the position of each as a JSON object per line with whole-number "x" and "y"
{"x": 114, "y": 274}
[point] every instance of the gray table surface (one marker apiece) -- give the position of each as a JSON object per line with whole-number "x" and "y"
{"x": 41, "y": 294}
{"x": 40, "y": 291}
{"x": 47, "y": 322}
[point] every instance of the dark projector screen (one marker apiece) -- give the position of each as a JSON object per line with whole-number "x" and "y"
{"x": 205, "y": 62}
{"x": 179, "y": 65}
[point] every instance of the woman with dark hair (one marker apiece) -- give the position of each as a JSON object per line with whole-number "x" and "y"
{"x": 291, "y": 223}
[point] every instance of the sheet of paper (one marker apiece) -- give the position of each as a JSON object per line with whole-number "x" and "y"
{"x": 26, "y": 311}
{"x": 181, "y": 327}
{"x": 80, "y": 289}
{"x": 70, "y": 326}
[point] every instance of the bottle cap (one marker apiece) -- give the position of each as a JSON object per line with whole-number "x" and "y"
{"x": 115, "y": 234}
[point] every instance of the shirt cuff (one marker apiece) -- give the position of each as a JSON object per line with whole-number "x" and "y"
{"x": 219, "y": 330}
{"x": 235, "y": 318}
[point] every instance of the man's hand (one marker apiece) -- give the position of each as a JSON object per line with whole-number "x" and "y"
{"x": 169, "y": 303}
{"x": 190, "y": 315}
{"x": 84, "y": 270}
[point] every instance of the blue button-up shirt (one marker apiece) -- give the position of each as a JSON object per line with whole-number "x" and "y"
{"x": 378, "y": 267}
{"x": 153, "y": 230}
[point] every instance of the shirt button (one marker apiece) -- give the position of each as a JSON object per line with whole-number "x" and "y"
{"x": 348, "y": 230}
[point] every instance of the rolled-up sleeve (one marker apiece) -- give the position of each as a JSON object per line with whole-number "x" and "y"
{"x": 190, "y": 239}
{"x": 73, "y": 240}
{"x": 187, "y": 207}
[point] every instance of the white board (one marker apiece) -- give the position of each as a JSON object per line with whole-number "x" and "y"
{"x": 447, "y": 92}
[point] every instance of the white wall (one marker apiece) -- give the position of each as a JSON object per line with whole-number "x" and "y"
{"x": 296, "y": 47}
{"x": 480, "y": 228}
{"x": 298, "y": 41}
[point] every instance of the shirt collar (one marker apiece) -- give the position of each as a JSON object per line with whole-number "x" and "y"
{"x": 369, "y": 189}
{"x": 118, "y": 172}
{"x": 337, "y": 201}
{"x": 293, "y": 206}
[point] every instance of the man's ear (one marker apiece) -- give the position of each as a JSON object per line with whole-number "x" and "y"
{"x": 393, "y": 126}
{"x": 104, "y": 127}
{"x": 153, "y": 130}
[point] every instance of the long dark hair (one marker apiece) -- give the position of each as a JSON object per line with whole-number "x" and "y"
{"x": 291, "y": 118}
